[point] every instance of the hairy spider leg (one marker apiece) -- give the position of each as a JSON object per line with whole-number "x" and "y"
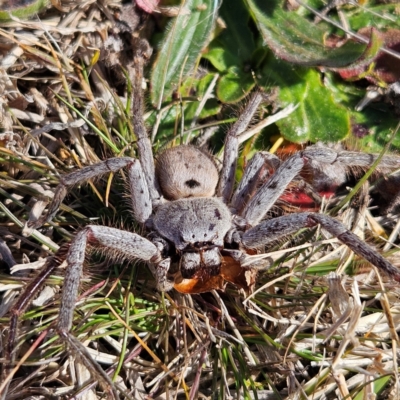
{"x": 330, "y": 167}
{"x": 271, "y": 230}
{"x": 122, "y": 243}
{"x": 126, "y": 244}
{"x": 139, "y": 193}
{"x": 315, "y": 157}
{"x": 231, "y": 150}
{"x": 141, "y": 202}
{"x": 256, "y": 171}
{"x": 145, "y": 151}
{"x": 271, "y": 190}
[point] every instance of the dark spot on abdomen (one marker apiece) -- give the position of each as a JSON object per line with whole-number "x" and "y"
{"x": 192, "y": 183}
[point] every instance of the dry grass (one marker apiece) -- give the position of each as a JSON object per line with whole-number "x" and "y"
{"x": 305, "y": 333}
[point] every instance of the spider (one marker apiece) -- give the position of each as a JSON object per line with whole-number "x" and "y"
{"x": 199, "y": 227}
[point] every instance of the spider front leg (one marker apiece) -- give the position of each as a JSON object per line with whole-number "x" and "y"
{"x": 271, "y": 230}
{"x": 141, "y": 201}
{"x": 271, "y": 190}
{"x": 121, "y": 243}
{"x": 126, "y": 244}
{"x": 144, "y": 189}
{"x": 256, "y": 170}
{"x": 231, "y": 150}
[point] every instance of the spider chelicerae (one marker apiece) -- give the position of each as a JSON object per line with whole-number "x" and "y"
{"x": 199, "y": 225}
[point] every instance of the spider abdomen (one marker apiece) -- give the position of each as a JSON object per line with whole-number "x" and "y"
{"x": 186, "y": 171}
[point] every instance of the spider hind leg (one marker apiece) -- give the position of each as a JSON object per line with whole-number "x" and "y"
{"x": 277, "y": 228}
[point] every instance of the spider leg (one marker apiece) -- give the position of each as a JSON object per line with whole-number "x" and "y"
{"x": 329, "y": 167}
{"x": 145, "y": 191}
{"x": 126, "y": 244}
{"x": 139, "y": 193}
{"x": 271, "y": 230}
{"x": 350, "y": 158}
{"x": 314, "y": 157}
{"x": 143, "y": 141}
{"x": 256, "y": 170}
{"x": 231, "y": 150}
{"x": 141, "y": 201}
{"x": 271, "y": 190}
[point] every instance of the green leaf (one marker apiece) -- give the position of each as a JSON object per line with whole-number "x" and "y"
{"x": 199, "y": 87}
{"x": 186, "y": 36}
{"x": 191, "y": 88}
{"x": 318, "y": 117}
{"x": 220, "y": 58}
{"x": 232, "y": 52}
{"x": 372, "y": 127}
{"x": 359, "y": 69}
{"x": 237, "y": 39}
{"x": 294, "y": 38}
{"x": 234, "y": 86}
{"x": 22, "y": 10}
{"x": 381, "y": 16}
{"x": 235, "y": 45}
{"x": 379, "y": 385}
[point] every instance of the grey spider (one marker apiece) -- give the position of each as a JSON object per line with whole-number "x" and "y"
{"x": 195, "y": 219}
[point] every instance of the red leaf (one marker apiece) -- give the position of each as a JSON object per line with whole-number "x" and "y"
{"x": 386, "y": 67}
{"x": 147, "y": 5}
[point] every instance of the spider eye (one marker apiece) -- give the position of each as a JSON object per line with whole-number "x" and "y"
{"x": 191, "y": 183}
